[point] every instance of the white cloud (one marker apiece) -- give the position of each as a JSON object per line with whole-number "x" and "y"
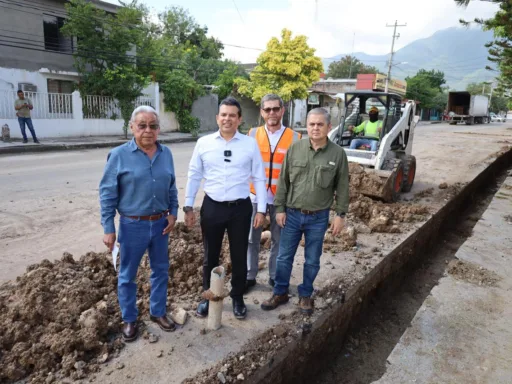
{"x": 337, "y": 21}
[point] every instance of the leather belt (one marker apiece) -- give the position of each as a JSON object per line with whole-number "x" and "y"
{"x": 150, "y": 217}
{"x": 306, "y": 212}
{"x": 229, "y": 203}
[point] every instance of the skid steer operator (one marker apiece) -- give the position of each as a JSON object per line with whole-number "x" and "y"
{"x": 369, "y": 128}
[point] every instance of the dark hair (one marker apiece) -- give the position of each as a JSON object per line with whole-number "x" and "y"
{"x": 232, "y": 102}
{"x": 19, "y": 90}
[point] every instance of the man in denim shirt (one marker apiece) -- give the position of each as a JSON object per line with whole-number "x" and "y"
{"x": 140, "y": 183}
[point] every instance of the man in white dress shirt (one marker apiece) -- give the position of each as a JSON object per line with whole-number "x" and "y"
{"x": 273, "y": 140}
{"x": 227, "y": 161}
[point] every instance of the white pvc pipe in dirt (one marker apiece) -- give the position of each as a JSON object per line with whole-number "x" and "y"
{"x": 217, "y": 287}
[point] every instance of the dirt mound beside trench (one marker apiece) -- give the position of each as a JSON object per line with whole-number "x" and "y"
{"x": 62, "y": 319}
{"x": 376, "y": 215}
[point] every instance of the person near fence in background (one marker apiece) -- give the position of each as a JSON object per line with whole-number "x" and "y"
{"x": 23, "y": 105}
{"x": 139, "y": 182}
{"x": 314, "y": 171}
{"x": 227, "y": 160}
{"x": 273, "y": 140}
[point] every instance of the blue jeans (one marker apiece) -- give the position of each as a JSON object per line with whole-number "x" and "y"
{"x": 313, "y": 227}
{"x": 135, "y": 236}
{"x": 28, "y": 121}
{"x": 358, "y": 142}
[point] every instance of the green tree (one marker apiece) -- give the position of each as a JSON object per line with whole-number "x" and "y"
{"x": 105, "y": 51}
{"x": 225, "y": 83}
{"x": 500, "y": 49}
{"x": 349, "y": 67}
{"x": 288, "y": 68}
{"x": 435, "y": 78}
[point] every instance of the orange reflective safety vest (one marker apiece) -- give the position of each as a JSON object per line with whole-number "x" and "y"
{"x": 273, "y": 161}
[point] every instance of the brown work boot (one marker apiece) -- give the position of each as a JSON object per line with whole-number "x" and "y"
{"x": 274, "y": 302}
{"x": 306, "y": 305}
{"x": 164, "y": 323}
{"x": 130, "y": 332}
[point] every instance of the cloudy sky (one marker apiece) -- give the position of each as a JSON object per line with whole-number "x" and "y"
{"x": 329, "y": 24}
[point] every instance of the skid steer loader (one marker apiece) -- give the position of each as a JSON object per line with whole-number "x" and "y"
{"x": 391, "y": 168}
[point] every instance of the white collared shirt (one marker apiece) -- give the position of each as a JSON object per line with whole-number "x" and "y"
{"x": 273, "y": 138}
{"x": 223, "y": 180}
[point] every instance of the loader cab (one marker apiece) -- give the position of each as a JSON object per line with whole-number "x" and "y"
{"x": 357, "y": 106}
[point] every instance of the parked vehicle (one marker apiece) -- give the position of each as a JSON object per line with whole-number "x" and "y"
{"x": 466, "y": 108}
{"x": 497, "y": 118}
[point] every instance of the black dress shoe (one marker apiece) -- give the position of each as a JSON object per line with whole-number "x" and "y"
{"x": 239, "y": 308}
{"x": 249, "y": 284}
{"x": 202, "y": 308}
{"x": 271, "y": 282}
{"x": 130, "y": 332}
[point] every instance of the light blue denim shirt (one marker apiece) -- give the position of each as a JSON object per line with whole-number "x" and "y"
{"x": 135, "y": 185}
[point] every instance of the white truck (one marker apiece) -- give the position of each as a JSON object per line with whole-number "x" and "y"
{"x": 466, "y": 108}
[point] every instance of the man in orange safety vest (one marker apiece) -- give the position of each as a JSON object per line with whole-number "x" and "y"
{"x": 273, "y": 139}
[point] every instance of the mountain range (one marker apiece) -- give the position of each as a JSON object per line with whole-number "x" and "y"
{"x": 459, "y": 52}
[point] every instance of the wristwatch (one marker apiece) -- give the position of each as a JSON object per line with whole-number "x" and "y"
{"x": 187, "y": 209}
{"x": 341, "y": 214}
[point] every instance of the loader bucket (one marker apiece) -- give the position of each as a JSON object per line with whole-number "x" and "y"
{"x": 377, "y": 184}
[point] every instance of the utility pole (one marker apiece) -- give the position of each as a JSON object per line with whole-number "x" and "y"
{"x": 395, "y": 36}
{"x": 351, "y": 56}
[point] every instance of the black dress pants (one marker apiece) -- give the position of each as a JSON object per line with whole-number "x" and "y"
{"x": 216, "y": 218}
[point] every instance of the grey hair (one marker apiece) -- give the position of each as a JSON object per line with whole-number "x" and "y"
{"x": 144, "y": 109}
{"x": 271, "y": 97}
{"x": 321, "y": 111}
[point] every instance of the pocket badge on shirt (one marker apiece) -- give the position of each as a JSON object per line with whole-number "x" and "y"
{"x": 332, "y": 163}
{"x": 281, "y": 150}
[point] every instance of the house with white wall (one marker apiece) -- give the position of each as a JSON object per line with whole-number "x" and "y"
{"x": 36, "y": 58}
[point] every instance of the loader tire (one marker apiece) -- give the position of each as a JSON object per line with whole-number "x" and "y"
{"x": 409, "y": 172}
{"x": 396, "y": 185}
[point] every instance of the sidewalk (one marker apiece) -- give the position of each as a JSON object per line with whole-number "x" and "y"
{"x": 87, "y": 142}
{"x": 463, "y": 331}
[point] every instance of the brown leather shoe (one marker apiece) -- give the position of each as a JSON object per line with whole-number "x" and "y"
{"x": 274, "y": 302}
{"x": 163, "y": 322}
{"x": 130, "y": 332}
{"x": 306, "y": 305}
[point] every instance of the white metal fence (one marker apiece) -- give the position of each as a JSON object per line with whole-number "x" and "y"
{"x": 104, "y": 107}
{"x": 46, "y": 105}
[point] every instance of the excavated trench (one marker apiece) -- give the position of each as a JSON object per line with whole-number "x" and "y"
{"x": 350, "y": 342}
{"x": 363, "y": 354}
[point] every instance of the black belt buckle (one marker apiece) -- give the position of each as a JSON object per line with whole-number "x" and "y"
{"x": 234, "y": 202}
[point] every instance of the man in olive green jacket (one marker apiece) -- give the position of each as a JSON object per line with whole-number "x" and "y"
{"x": 314, "y": 171}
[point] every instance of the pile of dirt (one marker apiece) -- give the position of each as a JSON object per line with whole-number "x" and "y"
{"x": 473, "y": 273}
{"x": 59, "y": 319}
{"x": 62, "y": 319}
{"x": 378, "y": 216}
{"x": 386, "y": 218}
{"x": 344, "y": 242}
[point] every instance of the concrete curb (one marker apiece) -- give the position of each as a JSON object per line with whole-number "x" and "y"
{"x": 69, "y": 147}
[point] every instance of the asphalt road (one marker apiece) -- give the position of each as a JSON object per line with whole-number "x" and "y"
{"x": 49, "y": 201}
{"x": 50, "y": 204}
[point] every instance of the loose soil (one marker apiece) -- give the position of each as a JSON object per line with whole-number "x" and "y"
{"x": 62, "y": 319}
{"x": 472, "y": 273}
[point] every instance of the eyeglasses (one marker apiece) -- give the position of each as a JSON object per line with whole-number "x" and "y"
{"x": 142, "y": 127}
{"x": 273, "y": 109}
{"x": 227, "y": 154}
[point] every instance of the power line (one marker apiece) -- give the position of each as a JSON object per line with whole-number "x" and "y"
{"x": 239, "y": 14}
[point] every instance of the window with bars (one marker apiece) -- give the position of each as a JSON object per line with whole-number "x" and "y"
{"x": 54, "y": 40}
{"x": 57, "y": 101}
